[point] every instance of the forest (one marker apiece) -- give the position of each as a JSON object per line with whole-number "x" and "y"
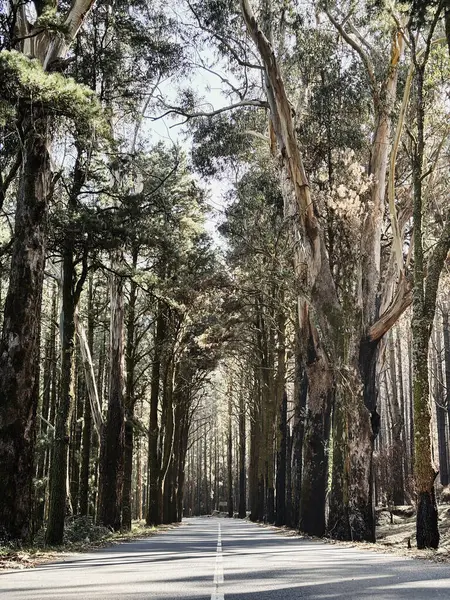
{"x": 224, "y": 270}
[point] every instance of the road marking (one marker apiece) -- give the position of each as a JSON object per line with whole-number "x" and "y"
{"x": 218, "y": 571}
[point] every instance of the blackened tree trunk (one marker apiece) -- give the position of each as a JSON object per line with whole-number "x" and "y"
{"x": 281, "y": 463}
{"x": 230, "y": 456}
{"x": 242, "y": 458}
{"x": 19, "y": 345}
{"x": 298, "y": 430}
{"x": 317, "y": 432}
{"x": 280, "y": 483}
{"x": 59, "y": 464}
{"x": 154, "y": 459}
{"x": 112, "y": 442}
{"x": 446, "y": 334}
{"x": 130, "y": 362}
{"x": 256, "y": 481}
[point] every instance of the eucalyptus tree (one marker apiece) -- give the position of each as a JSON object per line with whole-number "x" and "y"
{"x": 427, "y": 271}
{"x": 36, "y": 97}
{"x": 345, "y": 344}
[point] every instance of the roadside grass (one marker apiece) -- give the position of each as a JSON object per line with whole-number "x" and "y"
{"x": 80, "y": 535}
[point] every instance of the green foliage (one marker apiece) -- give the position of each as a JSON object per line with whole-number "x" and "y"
{"x": 77, "y": 530}
{"x": 24, "y": 82}
{"x": 51, "y": 21}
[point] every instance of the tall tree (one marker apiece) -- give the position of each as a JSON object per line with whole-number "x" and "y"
{"x": 19, "y": 364}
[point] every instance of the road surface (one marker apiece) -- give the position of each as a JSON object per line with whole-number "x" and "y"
{"x": 227, "y": 559}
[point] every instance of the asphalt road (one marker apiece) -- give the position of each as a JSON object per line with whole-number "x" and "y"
{"x": 226, "y": 559}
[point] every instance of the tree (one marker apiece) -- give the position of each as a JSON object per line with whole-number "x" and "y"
{"x": 25, "y": 82}
{"x": 426, "y": 282}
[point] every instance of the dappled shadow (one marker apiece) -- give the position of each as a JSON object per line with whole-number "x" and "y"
{"x": 258, "y": 564}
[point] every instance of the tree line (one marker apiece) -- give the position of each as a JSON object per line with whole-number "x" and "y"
{"x": 145, "y": 370}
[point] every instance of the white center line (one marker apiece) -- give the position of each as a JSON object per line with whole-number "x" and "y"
{"x": 218, "y": 571}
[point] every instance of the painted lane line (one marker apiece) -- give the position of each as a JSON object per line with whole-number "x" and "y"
{"x": 217, "y": 593}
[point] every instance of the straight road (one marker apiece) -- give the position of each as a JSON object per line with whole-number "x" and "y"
{"x": 227, "y": 559}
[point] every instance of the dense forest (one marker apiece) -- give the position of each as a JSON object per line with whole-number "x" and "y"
{"x": 224, "y": 274}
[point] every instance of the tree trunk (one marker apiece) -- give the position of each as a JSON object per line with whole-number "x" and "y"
{"x": 19, "y": 346}
{"x": 49, "y": 384}
{"x": 167, "y": 436}
{"x": 256, "y": 481}
{"x": 446, "y": 335}
{"x": 87, "y": 421}
{"x": 76, "y": 438}
{"x": 130, "y": 353}
{"x": 398, "y": 478}
{"x": 439, "y": 400}
{"x": 427, "y": 532}
{"x": 112, "y": 442}
{"x": 154, "y": 463}
{"x": 298, "y": 430}
{"x": 282, "y": 418}
{"x": 317, "y": 432}
{"x": 242, "y": 458}
{"x": 230, "y": 457}
{"x": 281, "y": 463}
{"x": 58, "y": 472}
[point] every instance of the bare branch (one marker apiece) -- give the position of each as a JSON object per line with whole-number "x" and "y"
{"x": 363, "y": 55}
{"x": 188, "y": 116}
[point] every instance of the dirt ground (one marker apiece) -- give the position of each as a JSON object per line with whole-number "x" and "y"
{"x": 396, "y": 527}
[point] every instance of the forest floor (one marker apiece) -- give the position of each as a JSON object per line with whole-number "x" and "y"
{"x": 83, "y": 541}
{"x": 395, "y": 528}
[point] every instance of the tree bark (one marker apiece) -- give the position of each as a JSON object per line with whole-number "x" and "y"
{"x": 282, "y": 419}
{"x": 242, "y": 458}
{"x": 71, "y": 291}
{"x": 46, "y": 433}
{"x": 317, "y": 432}
{"x": 19, "y": 346}
{"x": 230, "y": 457}
{"x": 130, "y": 353}
{"x": 439, "y": 400}
{"x": 298, "y": 430}
{"x": 154, "y": 460}
{"x": 112, "y": 442}
{"x": 398, "y": 476}
{"x": 87, "y": 421}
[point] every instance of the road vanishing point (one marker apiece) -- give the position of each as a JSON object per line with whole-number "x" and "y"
{"x": 228, "y": 559}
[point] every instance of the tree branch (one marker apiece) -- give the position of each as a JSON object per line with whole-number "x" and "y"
{"x": 400, "y": 302}
{"x": 367, "y": 61}
{"x": 180, "y": 111}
